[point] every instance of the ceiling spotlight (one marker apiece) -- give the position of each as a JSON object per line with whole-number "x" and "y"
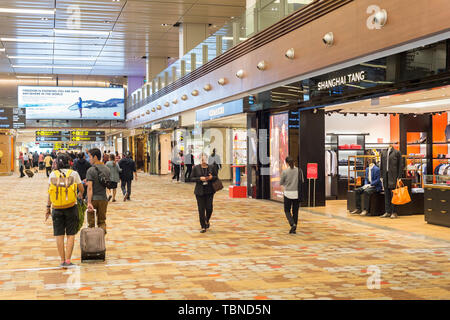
{"x": 385, "y": 114}
{"x": 158, "y": 107}
{"x": 184, "y": 97}
{"x": 207, "y": 87}
{"x": 380, "y": 18}
{"x": 166, "y": 104}
{"x": 148, "y": 112}
{"x": 415, "y": 115}
{"x": 174, "y": 101}
{"x": 290, "y": 54}
{"x": 329, "y": 114}
{"x": 153, "y": 110}
{"x": 262, "y": 65}
{"x": 222, "y": 81}
{"x": 195, "y": 93}
{"x": 328, "y": 39}
{"x": 240, "y": 74}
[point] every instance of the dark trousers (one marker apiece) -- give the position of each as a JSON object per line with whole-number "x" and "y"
{"x": 21, "y": 171}
{"x": 205, "y": 208}
{"x": 48, "y": 170}
{"x": 176, "y": 169}
{"x": 389, "y": 207}
{"x": 187, "y": 175}
{"x": 360, "y": 192}
{"x": 101, "y": 206}
{"x": 294, "y": 204}
{"x": 126, "y": 187}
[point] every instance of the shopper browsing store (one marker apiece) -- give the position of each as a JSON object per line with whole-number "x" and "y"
{"x": 292, "y": 179}
{"x": 391, "y": 171}
{"x": 372, "y": 184}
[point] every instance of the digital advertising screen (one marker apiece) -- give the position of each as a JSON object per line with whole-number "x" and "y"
{"x": 279, "y": 150}
{"x": 72, "y": 103}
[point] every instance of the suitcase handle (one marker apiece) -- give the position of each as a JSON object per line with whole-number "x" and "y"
{"x": 95, "y": 216}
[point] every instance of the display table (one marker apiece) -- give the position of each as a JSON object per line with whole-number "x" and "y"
{"x": 236, "y": 190}
{"x": 437, "y": 204}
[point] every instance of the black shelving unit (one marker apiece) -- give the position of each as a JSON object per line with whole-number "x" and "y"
{"x": 339, "y": 184}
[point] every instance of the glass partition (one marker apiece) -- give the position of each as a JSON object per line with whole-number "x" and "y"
{"x": 262, "y": 15}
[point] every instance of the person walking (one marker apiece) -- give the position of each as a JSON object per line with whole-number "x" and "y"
{"x": 26, "y": 162}
{"x": 204, "y": 175}
{"x": 96, "y": 190}
{"x": 128, "y": 167}
{"x": 81, "y": 166}
{"x": 41, "y": 161}
{"x": 176, "y": 163}
{"x": 292, "y": 180}
{"x": 189, "y": 162}
{"x": 21, "y": 165}
{"x": 48, "y": 161}
{"x": 65, "y": 211}
{"x": 214, "y": 160}
{"x": 115, "y": 171}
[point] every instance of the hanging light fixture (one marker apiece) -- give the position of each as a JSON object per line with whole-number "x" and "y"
{"x": 290, "y": 54}
{"x": 207, "y": 87}
{"x": 195, "y": 93}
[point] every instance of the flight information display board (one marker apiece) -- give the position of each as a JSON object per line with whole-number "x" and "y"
{"x": 65, "y": 136}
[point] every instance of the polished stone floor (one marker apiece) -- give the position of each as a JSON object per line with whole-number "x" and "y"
{"x": 155, "y": 251}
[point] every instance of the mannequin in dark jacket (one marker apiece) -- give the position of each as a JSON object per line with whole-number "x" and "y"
{"x": 204, "y": 175}
{"x": 391, "y": 170}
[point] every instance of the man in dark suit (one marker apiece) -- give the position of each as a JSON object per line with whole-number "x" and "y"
{"x": 391, "y": 170}
{"x": 372, "y": 184}
{"x": 189, "y": 162}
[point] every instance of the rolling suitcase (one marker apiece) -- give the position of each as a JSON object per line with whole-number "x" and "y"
{"x": 29, "y": 173}
{"x": 92, "y": 244}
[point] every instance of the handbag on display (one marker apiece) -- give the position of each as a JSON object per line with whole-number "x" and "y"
{"x": 400, "y": 194}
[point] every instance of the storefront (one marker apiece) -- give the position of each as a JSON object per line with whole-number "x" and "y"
{"x": 219, "y": 131}
{"x": 349, "y": 116}
{"x": 159, "y": 145}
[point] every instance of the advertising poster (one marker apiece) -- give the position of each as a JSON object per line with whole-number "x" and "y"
{"x": 72, "y": 103}
{"x": 279, "y": 150}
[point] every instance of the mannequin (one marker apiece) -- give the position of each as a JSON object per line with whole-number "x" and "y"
{"x": 391, "y": 170}
{"x": 447, "y": 131}
{"x": 372, "y": 184}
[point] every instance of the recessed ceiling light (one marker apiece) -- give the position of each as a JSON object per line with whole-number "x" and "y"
{"x": 53, "y": 58}
{"x": 27, "y": 11}
{"x": 51, "y": 67}
{"x": 36, "y": 40}
{"x": 2, "y": 49}
{"x": 33, "y": 77}
{"x": 44, "y": 19}
{"x": 82, "y": 32}
{"x": 164, "y": 24}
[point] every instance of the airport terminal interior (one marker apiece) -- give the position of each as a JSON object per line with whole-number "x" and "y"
{"x": 224, "y": 150}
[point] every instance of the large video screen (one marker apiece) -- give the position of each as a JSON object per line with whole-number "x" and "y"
{"x": 72, "y": 103}
{"x": 279, "y": 149}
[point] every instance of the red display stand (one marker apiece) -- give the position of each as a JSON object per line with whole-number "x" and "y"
{"x": 238, "y": 192}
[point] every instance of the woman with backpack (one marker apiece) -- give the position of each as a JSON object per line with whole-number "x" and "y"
{"x": 65, "y": 188}
{"x": 291, "y": 180}
{"x": 115, "y": 171}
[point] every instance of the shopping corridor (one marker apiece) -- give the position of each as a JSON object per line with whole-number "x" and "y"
{"x": 155, "y": 251}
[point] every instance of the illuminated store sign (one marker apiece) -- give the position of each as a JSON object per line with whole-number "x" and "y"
{"x": 343, "y": 80}
{"x": 221, "y": 110}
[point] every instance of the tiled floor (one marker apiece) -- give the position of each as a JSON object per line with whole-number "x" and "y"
{"x": 155, "y": 251}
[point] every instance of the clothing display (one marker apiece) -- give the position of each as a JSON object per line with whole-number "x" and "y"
{"x": 330, "y": 163}
{"x": 442, "y": 169}
{"x": 391, "y": 167}
{"x": 447, "y": 132}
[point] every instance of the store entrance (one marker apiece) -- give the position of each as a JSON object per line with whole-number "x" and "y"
{"x": 417, "y": 124}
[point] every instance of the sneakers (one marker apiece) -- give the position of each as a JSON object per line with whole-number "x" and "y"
{"x": 69, "y": 265}
{"x": 125, "y": 198}
{"x": 386, "y": 215}
{"x": 364, "y": 213}
{"x": 357, "y": 211}
{"x": 394, "y": 216}
{"x": 203, "y": 231}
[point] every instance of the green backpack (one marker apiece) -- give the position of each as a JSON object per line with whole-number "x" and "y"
{"x": 82, "y": 207}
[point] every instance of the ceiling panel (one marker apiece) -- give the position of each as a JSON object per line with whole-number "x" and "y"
{"x": 135, "y": 25}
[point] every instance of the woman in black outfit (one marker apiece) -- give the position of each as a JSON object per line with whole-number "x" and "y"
{"x": 203, "y": 175}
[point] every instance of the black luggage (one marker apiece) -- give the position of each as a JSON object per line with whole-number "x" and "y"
{"x": 41, "y": 166}
{"x": 29, "y": 173}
